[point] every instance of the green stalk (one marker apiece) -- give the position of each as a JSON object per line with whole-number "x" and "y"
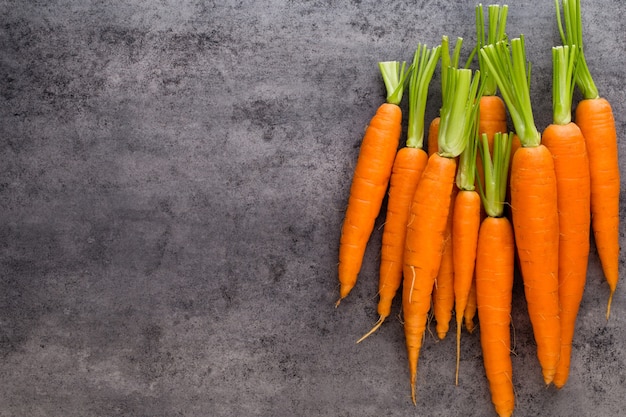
{"x": 496, "y": 169}
{"x": 394, "y": 75}
{"x": 448, "y": 62}
{"x": 466, "y": 173}
{"x": 564, "y": 65}
{"x": 424, "y": 63}
{"x": 460, "y": 98}
{"x": 497, "y": 33}
{"x": 508, "y": 66}
{"x": 573, "y": 36}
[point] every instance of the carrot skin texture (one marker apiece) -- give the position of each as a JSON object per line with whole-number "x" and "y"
{"x": 471, "y": 308}
{"x": 433, "y": 135}
{"x": 567, "y": 145}
{"x": 443, "y": 297}
{"x": 595, "y": 119}
{"x": 536, "y": 227}
{"x": 494, "y": 289}
{"x": 465, "y": 225}
{"x": 406, "y": 173}
{"x": 369, "y": 185}
{"x": 423, "y": 251}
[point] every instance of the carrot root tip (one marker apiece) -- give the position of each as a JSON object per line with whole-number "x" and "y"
{"x": 376, "y": 327}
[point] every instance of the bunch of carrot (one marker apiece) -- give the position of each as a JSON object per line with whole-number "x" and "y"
{"x": 447, "y": 240}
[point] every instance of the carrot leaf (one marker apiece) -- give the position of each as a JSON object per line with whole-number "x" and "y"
{"x": 564, "y": 64}
{"x": 394, "y": 75}
{"x": 496, "y": 169}
{"x": 466, "y": 173}
{"x": 460, "y": 98}
{"x": 424, "y": 63}
{"x": 497, "y": 32}
{"x": 507, "y": 64}
{"x": 573, "y": 35}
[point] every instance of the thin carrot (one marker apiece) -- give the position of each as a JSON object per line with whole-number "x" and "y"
{"x": 465, "y": 224}
{"x": 471, "y": 308}
{"x": 429, "y": 212}
{"x": 371, "y": 177}
{"x": 494, "y": 276}
{"x": 407, "y": 169}
{"x": 567, "y": 145}
{"x": 533, "y": 203}
{"x": 594, "y": 117}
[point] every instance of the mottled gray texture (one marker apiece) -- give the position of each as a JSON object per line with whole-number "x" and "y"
{"x": 172, "y": 182}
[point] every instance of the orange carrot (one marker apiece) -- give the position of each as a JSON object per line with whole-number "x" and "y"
{"x": 471, "y": 308}
{"x": 533, "y": 203}
{"x": 433, "y": 133}
{"x": 567, "y": 146}
{"x": 371, "y": 177}
{"x": 443, "y": 292}
{"x": 407, "y": 169}
{"x": 429, "y": 213}
{"x": 465, "y": 224}
{"x": 494, "y": 276}
{"x": 594, "y": 116}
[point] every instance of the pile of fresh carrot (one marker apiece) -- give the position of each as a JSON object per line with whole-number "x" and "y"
{"x": 460, "y": 211}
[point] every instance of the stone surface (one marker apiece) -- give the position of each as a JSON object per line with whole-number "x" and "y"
{"x": 173, "y": 176}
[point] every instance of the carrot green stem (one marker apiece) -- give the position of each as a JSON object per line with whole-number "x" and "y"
{"x": 497, "y": 33}
{"x": 460, "y": 98}
{"x": 496, "y": 168}
{"x": 573, "y": 35}
{"x": 466, "y": 173}
{"x": 424, "y": 63}
{"x": 394, "y": 75}
{"x": 564, "y": 64}
{"x": 509, "y": 68}
{"x": 448, "y": 62}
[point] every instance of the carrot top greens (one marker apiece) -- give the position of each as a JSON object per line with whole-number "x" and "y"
{"x": 508, "y": 65}
{"x": 564, "y": 64}
{"x": 458, "y": 110}
{"x": 424, "y": 63}
{"x": 394, "y": 75}
{"x": 496, "y": 166}
{"x": 497, "y": 27}
{"x": 466, "y": 173}
{"x": 573, "y": 35}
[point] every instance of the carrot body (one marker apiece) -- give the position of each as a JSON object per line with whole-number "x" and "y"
{"x": 465, "y": 226}
{"x": 433, "y": 134}
{"x": 371, "y": 178}
{"x": 567, "y": 145}
{"x": 536, "y": 225}
{"x": 407, "y": 171}
{"x": 423, "y": 251}
{"x": 443, "y": 297}
{"x": 494, "y": 286}
{"x": 471, "y": 308}
{"x": 595, "y": 119}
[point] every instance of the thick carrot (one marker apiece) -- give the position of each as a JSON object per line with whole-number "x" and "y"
{"x": 567, "y": 146}
{"x": 371, "y": 177}
{"x": 494, "y": 275}
{"x": 429, "y": 213}
{"x": 494, "y": 288}
{"x": 407, "y": 170}
{"x": 594, "y": 116}
{"x": 533, "y": 203}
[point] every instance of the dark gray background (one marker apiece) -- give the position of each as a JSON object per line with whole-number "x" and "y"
{"x": 173, "y": 176}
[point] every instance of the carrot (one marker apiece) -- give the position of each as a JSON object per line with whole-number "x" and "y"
{"x": 407, "y": 169}
{"x": 465, "y": 224}
{"x": 429, "y": 212}
{"x": 594, "y": 117}
{"x": 567, "y": 145}
{"x": 471, "y": 308}
{"x": 371, "y": 177}
{"x": 494, "y": 276}
{"x": 443, "y": 291}
{"x": 533, "y": 203}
